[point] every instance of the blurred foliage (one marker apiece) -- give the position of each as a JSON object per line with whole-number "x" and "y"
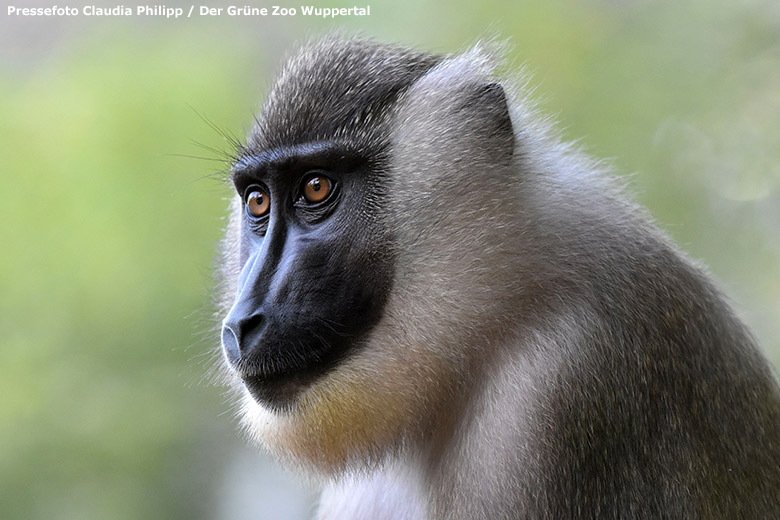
{"x": 109, "y": 232}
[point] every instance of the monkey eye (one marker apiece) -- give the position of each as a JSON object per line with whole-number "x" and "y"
{"x": 257, "y": 201}
{"x": 316, "y": 188}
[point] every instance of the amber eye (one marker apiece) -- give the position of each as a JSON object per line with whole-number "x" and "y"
{"x": 316, "y": 188}
{"x": 258, "y": 202}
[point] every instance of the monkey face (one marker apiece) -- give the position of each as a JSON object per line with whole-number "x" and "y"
{"x": 314, "y": 253}
{"x": 306, "y": 296}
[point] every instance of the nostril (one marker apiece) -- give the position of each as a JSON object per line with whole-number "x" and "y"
{"x": 230, "y": 345}
{"x": 248, "y": 330}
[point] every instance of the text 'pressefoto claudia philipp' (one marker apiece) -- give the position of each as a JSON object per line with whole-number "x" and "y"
{"x": 188, "y": 12}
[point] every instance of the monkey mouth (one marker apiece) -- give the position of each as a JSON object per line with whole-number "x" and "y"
{"x": 281, "y": 388}
{"x": 280, "y": 391}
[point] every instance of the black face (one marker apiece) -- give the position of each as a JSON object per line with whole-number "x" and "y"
{"x": 316, "y": 266}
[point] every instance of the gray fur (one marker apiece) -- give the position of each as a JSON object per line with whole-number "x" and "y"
{"x": 545, "y": 351}
{"x": 337, "y": 90}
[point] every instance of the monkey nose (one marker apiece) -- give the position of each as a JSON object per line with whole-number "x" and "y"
{"x": 240, "y": 335}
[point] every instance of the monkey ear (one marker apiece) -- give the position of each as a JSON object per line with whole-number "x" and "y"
{"x": 488, "y": 101}
{"x": 457, "y": 109}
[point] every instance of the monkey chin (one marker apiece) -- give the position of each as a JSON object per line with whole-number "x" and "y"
{"x": 280, "y": 392}
{"x": 280, "y": 389}
{"x": 355, "y": 417}
{"x": 279, "y": 395}
{"x": 329, "y": 428}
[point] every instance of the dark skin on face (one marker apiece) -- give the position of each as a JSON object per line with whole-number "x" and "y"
{"x": 310, "y": 285}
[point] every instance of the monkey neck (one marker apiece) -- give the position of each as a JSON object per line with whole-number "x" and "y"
{"x": 434, "y": 471}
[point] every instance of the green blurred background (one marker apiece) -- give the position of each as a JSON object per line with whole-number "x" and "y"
{"x": 109, "y": 233}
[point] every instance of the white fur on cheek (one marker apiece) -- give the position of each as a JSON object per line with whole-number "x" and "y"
{"x": 257, "y": 419}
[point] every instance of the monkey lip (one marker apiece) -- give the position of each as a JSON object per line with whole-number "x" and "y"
{"x": 280, "y": 391}
{"x": 281, "y": 387}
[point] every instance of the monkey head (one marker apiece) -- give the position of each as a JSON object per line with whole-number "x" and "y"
{"x": 370, "y": 216}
